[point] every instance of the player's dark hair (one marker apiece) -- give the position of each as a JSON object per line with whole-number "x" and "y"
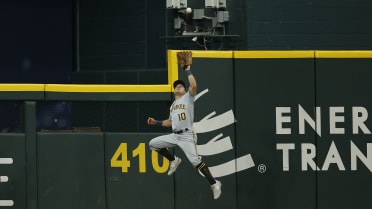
{"x": 175, "y": 83}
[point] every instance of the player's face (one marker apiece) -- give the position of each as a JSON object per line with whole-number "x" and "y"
{"x": 180, "y": 90}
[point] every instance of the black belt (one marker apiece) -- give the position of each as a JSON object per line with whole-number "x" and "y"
{"x": 180, "y": 131}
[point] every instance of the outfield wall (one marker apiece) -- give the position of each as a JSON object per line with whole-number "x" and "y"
{"x": 280, "y": 129}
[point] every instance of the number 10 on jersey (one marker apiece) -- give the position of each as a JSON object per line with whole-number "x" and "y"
{"x": 121, "y": 159}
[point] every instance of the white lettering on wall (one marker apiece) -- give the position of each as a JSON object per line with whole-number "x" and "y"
{"x": 280, "y": 119}
{"x": 334, "y": 118}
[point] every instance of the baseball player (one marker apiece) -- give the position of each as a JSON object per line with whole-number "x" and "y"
{"x": 181, "y": 120}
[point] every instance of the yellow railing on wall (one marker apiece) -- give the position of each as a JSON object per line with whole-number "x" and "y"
{"x": 173, "y": 71}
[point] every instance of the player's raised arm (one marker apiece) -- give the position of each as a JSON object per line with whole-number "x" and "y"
{"x": 192, "y": 81}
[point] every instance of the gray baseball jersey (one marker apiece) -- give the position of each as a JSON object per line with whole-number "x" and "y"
{"x": 182, "y": 112}
{"x": 182, "y": 116}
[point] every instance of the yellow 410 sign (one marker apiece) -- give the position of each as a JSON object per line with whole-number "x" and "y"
{"x": 120, "y": 159}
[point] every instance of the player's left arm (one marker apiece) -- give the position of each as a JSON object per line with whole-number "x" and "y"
{"x": 167, "y": 123}
{"x": 164, "y": 123}
{"x": 192, "y": 81}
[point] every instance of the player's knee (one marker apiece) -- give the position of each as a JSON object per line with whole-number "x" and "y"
{"x": 196, "y": 162}
{"x": 153, "y": 146}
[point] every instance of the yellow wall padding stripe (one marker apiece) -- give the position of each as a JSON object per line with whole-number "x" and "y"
{"x": 172, "y": 66}
{"x": 106, "y": 88}
{"x": 204, "y": 54}
{"x": 212, "y": 54}
{"x": 173, "y": 70}
{"x": 22, "y": 87}
{"x": 343, "y": 54}
{"x": 274, "y": 54}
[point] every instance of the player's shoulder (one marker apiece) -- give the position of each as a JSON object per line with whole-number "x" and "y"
{"x": 189, "y": 97}
{"x": 188, "y": 94}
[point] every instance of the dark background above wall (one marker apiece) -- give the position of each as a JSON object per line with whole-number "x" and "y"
{"x": 94, "y": 41}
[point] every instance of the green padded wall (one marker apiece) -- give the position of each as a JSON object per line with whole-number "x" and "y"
{"x": 344, "y": 83}
{"x": 255, "y": 117}
{"x": 262, "y": 85}
{"x": 134, "y": 177}
{"x": 13, "y": 192}
{"x": 71, "y": 171}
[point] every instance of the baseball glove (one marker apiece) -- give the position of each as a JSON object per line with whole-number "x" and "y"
{"x": 184, "y": 58}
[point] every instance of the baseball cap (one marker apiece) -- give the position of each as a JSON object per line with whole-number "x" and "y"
{"x": 179, "y": 82}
